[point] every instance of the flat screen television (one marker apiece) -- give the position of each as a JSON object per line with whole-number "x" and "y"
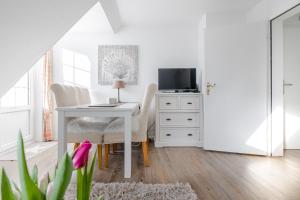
{"x": 177, "y": 79}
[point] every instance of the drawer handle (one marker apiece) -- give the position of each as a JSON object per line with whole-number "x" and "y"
{"x": 189, "y": 103}
{"x": 168, "y": 134}
{"x": 190, "y": 134}
{"x": 168, "y": 119}
{"x": 168, "y": 103}
{"x": 190, "y": 119}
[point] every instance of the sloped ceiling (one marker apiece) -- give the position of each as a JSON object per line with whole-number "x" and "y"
{"x": 29, "y": 28}
{"x": 95, "y": 20}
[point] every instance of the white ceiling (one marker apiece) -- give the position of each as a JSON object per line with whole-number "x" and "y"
{"x": 157, "y": 13}
{"x": 175, "y": 11}
{"x": 94, "y": 20}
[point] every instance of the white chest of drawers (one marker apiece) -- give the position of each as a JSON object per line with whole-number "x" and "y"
{"x": 179, "y": 119}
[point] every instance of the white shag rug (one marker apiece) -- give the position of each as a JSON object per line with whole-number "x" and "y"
{"x": 137, "y": 191}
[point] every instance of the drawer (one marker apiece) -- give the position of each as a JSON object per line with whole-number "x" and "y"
{"x": 179, "y": 134}
{"x": 168, "y": 103}
{"x": 180, "y": 119}
{"x": 189, "y": 102}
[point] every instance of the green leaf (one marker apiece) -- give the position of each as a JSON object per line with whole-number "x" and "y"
{"x": 6, "y": 192}
{"x": 62, "y": 177}
{"x": 17, "y": 189}
{"x": 84, "y": 184}
{"x": 43, "y": 185}
{"x": 84, "y": 180}
{"x": 90, "y": 174}
{"x": 55, "y": 171}
{"x": 29, "y": 189}
{"x": 34, "y": 175}
{"x": 79, "y": 184}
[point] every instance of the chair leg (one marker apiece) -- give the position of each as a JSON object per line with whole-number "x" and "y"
{"x": 76, "y": 145}
{"x": 115, "y": 147}
{"x": 145, "y": 154}
{"x": 106, "y": 155}
{"x": 99, "y": 147}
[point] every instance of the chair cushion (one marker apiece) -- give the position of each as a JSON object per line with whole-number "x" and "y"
{"x": 114, "y": 132}
{"x": 87, "y": 128}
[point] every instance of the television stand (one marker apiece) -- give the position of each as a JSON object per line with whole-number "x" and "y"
{"x": 179, "y": 119}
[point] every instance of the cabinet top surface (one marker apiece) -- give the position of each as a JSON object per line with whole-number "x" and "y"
{"x": 181, "y": 94}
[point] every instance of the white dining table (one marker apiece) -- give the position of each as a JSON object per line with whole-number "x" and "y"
{"x": 125, "y": 110}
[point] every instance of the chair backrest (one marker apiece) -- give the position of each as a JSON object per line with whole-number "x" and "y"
{"x": 144, "y": 115}
{"x": 83, "y": 95}
{"x": 70, "y": 95}
{"x": 148, "y": 97}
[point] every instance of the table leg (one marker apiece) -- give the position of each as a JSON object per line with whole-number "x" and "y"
{"x": 127, "y": 152}
{"x": 62, "y": 143}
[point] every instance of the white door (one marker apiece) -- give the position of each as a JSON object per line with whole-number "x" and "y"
{"x": 236, "y": 109}
{"x": 292, "y": 86}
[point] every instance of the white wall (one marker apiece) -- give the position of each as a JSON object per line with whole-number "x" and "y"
{"x": 173, "y": 46}
{"x": 164, "y": 47}
{"x": 11, "y": 123}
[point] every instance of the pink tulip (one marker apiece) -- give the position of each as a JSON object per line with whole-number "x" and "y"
{"x": 81, "y": 154}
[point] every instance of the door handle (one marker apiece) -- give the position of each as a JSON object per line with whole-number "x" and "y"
{"x": 286, "y": 85}
{"x": 209, "y": 87}
{"x": 168, "y": 103}
{"x": 168, "y": 119}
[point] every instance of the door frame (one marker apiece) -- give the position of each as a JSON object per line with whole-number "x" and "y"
{"x": 277, "y": 70}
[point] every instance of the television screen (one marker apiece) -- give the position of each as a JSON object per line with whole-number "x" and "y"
{"x": 177, "y": 79}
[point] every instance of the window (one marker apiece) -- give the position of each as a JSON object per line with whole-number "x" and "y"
{"x": 15, "y": 109}
{"x": 18, "y": 95}
{"x": 76, "y": 69}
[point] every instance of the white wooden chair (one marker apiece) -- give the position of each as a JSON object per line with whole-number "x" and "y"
{"x": 81, "y": 128}
{"x": 114, "y": 132}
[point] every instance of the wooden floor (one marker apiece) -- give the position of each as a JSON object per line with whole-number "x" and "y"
{"x": 214, "y": 175}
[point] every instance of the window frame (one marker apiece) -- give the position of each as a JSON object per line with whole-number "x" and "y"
{"x": 15, "y": 107}
{"x": 75, "y": 68}
{"x": 22, "y": 108}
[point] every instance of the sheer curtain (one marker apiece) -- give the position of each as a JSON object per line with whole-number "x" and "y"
{"x": 47, "y": 102}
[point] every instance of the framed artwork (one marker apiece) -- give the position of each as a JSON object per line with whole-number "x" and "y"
{"x": 117, "y": 62}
